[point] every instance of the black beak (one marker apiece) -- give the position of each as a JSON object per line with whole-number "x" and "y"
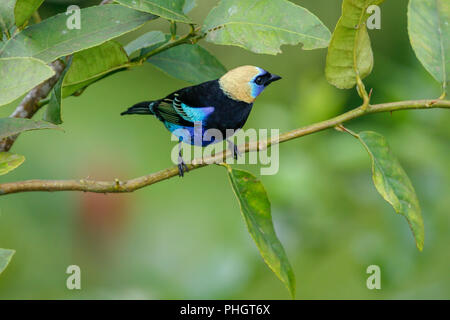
{"x": 273, "y": 77}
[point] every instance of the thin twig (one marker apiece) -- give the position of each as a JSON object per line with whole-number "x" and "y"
{"x": 118, "y": 186}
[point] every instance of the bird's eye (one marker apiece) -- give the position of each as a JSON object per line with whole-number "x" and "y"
{"x": 259, "y": 80}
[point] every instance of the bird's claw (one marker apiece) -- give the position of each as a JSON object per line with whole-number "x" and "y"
{"x": 182, "y": 168}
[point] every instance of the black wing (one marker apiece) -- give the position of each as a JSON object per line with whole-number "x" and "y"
{"x": 170, "y": 108}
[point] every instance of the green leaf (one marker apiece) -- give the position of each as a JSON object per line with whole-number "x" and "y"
{"x": 92, "y": 64}
{"x": 9, "y": 161}
{"x": 255, "y": 209}
{"x": 262, "y": 26}
{"x": 51, "y": 39}
{"x": 6, "y": 14}
{"x": 167, "y": 9}
{"x": 189, "y": 62}
{"x": 12, "y": 126}
{"x": 393, "y": 183}
{"x": 5, "y": 258}
{"x": 429, "y": 33}
{"x": 19, "y": 75}
{"x": 24, "y": 9}
{"x": 146, "y": 40}
{"x": 188, "y": 6}
{"x": 53, "y": 111}
{"x": 350, "y": 52}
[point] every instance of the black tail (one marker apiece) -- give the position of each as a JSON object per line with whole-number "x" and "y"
{"x": 139, "y": 108}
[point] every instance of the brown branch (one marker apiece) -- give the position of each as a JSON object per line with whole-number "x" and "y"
{"x": 117, "y": 186}
{"x": 32, "y": 101}
{"x": 30, "y": 104}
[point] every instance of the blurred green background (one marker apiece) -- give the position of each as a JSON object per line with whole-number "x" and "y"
{"x": 183, "y": 239}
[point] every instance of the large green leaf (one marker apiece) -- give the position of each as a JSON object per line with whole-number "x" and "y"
{"x": 5, "y": 258}
{"x": 350, "y": 52}
{"x": 146, "y": 40}
{"x": 53, "y": 111}
{"x": 24, "y": 9}
{"x": 255, "y": 208}
{"x": 167, "y": 9}
{"x": 262, "y": 26}
{"x": 92, "y": 64}
{"x": 12, "y": 126}
{"x": 6, "y": 14}
{"x": 393, "y": 183}
{"x": 189, "y": 62}
{"x": 51, "y": 39}
{"x": 429, "y": 32}
{"x": 19, "y": 75}
{"x": 9, "y": 161}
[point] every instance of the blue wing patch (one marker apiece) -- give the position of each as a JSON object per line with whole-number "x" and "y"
{"x": 195, "y": 114}
{"x": 191, "y": 114}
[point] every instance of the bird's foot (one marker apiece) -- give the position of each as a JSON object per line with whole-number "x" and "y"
{"x": 182, "y": 167}
{"x": 234, "y": 149}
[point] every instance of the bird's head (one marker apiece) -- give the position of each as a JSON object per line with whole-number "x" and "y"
{"x": 245, "y": 83}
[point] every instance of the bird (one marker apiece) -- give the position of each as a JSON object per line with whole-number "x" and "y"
{"x": 223, "y": 104}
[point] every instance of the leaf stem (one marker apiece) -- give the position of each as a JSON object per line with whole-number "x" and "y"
{"x": 341, "y": 128}
{"x": 173, "y": 30}
{"x": 361, "y": 88}
{"x": 37, "y": 17}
